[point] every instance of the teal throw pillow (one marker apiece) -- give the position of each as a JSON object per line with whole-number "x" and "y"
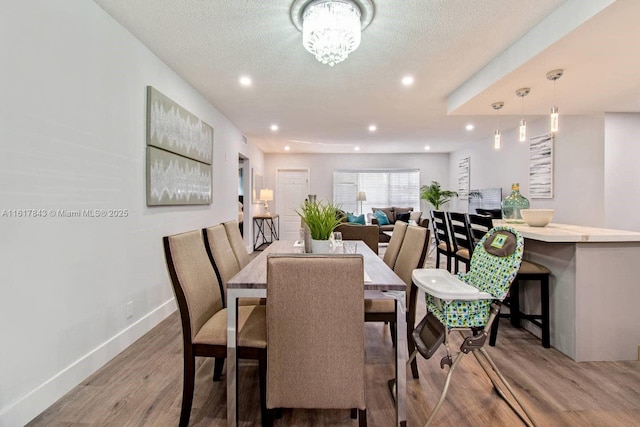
{"x": 381, "y": 217}
{"x": 356, "y": 219}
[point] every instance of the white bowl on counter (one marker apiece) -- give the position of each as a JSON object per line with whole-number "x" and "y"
{"x": 537, "y": 217}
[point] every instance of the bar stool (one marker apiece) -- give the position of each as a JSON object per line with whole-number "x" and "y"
{"x": 528, "y": 271}
{"x": 535, "y": 272}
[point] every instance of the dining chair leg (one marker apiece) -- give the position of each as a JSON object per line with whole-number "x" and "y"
{"x": 187, "y": 389}
{"x": 218, "y": 364}
{"x": 362, "y": 417}
{"x": 262, "y": 374}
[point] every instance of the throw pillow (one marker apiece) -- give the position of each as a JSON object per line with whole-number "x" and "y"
{"x": 381, "y": 217}
{"x": 355, "y": 219}
{"x": 403, "y": 216}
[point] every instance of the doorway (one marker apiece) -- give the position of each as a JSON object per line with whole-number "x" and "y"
{"x": 243, "y": 188}
{"x": 292, "y": 188}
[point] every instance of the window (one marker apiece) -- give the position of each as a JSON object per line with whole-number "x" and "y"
{"x": 383, "y": 187}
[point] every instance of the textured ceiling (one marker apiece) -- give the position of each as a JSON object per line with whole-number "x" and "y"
{"x": 463, "y": 54}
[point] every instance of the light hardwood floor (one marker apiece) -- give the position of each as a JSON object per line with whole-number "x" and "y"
{"x": 142, "y": 387}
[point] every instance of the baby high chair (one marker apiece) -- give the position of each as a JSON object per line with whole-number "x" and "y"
{"x": 470, "y": 302}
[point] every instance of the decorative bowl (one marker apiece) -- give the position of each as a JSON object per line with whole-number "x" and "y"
{"x": 537, "y": 217}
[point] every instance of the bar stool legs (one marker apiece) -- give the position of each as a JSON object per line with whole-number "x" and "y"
{"x": 541, "y": 320}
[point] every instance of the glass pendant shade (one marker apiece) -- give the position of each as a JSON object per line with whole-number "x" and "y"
{"x": 554, "y": 119}
{"x": 331, "y": 30}
{"x": 496, "y": 140}
{"x": 523, "y": 131}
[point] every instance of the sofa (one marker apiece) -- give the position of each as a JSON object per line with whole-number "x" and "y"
{"x": 366, "y": 233}
{"x": 393, "y": 214}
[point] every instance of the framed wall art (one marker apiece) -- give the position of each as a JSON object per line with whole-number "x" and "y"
{"x": 176, "y": 180}
{"x": 463, "y": 178}
{"x": 541, "y": 167}
{"x": 179, "y": 154}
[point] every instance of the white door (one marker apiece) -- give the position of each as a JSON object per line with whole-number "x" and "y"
{"x": 292, "y": 187}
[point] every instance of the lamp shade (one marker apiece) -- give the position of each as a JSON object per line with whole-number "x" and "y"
{"x": 266, "y": 194}
{"x": 362, "y": 196}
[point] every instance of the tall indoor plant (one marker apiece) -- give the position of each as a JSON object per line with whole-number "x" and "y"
{"x": 436, "y": 195}
{"x": 321, "y": 218}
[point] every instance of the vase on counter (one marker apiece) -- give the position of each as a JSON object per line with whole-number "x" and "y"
{"x": 512, "y": 204}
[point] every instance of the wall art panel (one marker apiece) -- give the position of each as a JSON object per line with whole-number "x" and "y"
{"x": 172, "y": 128}
{"x": 176, "y": 180}
{"x": 541, "y": 167}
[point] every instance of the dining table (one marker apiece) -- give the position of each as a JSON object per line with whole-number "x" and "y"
{"x": 380, "y": 282}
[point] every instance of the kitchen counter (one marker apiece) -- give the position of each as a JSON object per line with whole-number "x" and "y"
{"x": 594, "y": 290}
{"x": 573, "y": 233}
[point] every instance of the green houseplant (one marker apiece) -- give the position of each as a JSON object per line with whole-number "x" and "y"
{"x": 436, "y": 195}
{"x": 320, "y": 217}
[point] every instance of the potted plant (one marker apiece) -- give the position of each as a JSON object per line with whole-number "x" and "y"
{"x": 321, "y": 218}
{"x": 435, "y": 195}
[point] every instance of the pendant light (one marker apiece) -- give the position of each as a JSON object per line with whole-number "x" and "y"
{"x": 554, "y": 75}
{"x": 496, "y": 138}
{"x": 522, "y": 92}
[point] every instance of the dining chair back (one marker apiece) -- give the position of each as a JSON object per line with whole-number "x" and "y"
{"x": 223, "y": 260}
{"x": 444, "y": 245}
{"x": 479, "y": 225}
{"x": 310, "y": 365}
{"x": 222, "y": 256}
{"x": 237, "y": 243}
{"x": 412, "y": 255}
{"x": 393, "y": 248}
{"x": 461, "y": 236}
{"x": 367, "y": 233}
{"x": 203, "y": 318}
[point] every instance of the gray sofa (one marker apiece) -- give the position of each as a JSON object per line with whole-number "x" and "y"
{"x": 392, "y": 214}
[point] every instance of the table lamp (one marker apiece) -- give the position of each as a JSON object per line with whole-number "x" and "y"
{"x": 362, "y": 197}
{"x": 266, "y": 196}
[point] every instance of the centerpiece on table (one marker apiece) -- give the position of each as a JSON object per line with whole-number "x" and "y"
{"x": 321, "y": 218}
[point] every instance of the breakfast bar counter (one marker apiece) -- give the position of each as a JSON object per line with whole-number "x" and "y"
{"x": 594, "y": 292}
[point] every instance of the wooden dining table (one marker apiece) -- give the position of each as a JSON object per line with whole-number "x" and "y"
{"x": 380, "y": 282}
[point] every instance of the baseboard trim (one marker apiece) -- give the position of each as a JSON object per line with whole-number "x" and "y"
{"x": 37, "y": 400}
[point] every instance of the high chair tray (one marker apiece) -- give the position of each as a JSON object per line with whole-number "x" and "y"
{"x": 442, "y": 284}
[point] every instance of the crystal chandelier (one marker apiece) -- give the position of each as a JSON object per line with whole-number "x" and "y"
{"x": 331, "y": 28}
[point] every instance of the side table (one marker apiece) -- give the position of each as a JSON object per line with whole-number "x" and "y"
{"x": 264, "y": 223}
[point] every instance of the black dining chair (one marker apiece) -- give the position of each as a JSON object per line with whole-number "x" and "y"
{"x": 461, "y": 239}
{"x": 444, "y": 245}
{"x": 528, "y": 271}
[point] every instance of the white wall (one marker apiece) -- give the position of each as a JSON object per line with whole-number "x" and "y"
{"x": 433, "y": 167}
{"x": 622, "y": 174}
{"x": 578, "y": 168}
{"x": 72, "y": 121}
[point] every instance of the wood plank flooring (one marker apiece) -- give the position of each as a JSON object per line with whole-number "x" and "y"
{"x": 143, "y": 387}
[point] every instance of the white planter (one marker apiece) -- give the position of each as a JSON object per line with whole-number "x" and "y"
{"x": 320, "y": 246}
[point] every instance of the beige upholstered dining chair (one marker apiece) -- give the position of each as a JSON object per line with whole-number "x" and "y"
{"x": 203, "y": 318}
{"x": 393, "y": 248}
{"x": 412, "y": 254}
{"x": 315, "y": 329}
{"x": 223, "y": 259}
{"x": 237, "y": 243}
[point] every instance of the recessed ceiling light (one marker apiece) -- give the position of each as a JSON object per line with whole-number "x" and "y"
{"x": 245, "y": 81}
{"x": 427, "y": 148}
{"x": 274, "y": 127}
{"x": 469, "y": 127}
{"x": 287, "y": 148}
{"x": 407, "y": 80}
{"x": 373, "y": 128}
{"x": 356, "y": 148}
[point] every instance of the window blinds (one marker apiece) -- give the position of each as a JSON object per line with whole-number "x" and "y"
{"x": 383, "y": 187}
